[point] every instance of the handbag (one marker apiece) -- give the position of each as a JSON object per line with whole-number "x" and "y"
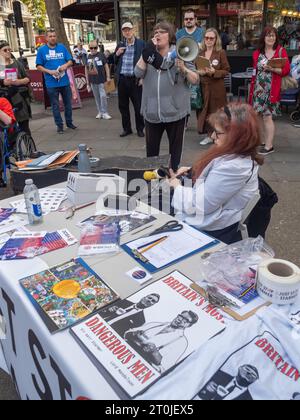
{"x": 196, "y": 97}
{"x": 110, "y": 86}
{"x": 287, "y": 82}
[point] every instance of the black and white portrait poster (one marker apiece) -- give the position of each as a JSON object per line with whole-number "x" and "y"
{"x": 139, "y": 339}
{"x": 257, "y": 359}
{"x": 258, "y": 370}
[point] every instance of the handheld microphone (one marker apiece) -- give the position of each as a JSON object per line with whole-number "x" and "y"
{"x": 158, "y": 174}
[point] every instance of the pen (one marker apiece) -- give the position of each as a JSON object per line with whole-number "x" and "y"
{"x": 151, "y": 243}
{"x": 154, "y": 244}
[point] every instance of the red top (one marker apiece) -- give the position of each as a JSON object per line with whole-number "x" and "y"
{"x": 276, "y": 78}
{"x": 6, "y": 107}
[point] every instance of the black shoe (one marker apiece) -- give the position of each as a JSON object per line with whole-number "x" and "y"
{"x": 141, "y": 134}
{"x": 60, "y": 130}
{"x": 72, "y": 127}
{"x": 264, "y": 152}
{"x": 125, "y": 134}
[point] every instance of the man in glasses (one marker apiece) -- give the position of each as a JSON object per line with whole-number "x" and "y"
{"x": 97, "y": 73}
{"x": 53, "y": 60}
{"x": 190, "y": 27}
{"x": 127, "y": 55}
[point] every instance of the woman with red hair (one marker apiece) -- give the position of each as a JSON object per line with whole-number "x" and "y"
{"x": 225, "y": 178}
{"x": 266, "y": 84}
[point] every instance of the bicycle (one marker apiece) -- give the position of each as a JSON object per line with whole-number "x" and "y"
{"x": 17, "y": 145}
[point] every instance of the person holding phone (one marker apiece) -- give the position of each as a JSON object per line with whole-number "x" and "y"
{"x": 127, "y": 55}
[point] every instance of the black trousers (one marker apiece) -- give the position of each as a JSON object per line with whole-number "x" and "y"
{"x": 129, "y": 90}
{"x": 175, "y": 131}
{"x": 229, "y": 235}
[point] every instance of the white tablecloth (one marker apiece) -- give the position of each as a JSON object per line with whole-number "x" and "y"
{"x": 55, "y": 366}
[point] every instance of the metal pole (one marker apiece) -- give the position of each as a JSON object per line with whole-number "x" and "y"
{"x": 265, "y": 13}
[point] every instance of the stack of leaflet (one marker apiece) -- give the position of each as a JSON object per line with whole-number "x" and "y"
{"x": 26, "y": 245}
{"x": 9, "y": 221}
{"x": 50, "y": 161}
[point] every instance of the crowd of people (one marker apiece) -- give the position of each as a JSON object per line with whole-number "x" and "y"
{"x": 158, "y": 84}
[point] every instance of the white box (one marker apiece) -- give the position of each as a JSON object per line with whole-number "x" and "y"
{"x": 87, "y": 188}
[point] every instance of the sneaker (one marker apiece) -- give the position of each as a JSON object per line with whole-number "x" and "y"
{"x": 98, "y": 117}
{"x": 206, "y": 141}
{"x": 263, "y": 151}
{"x": 296, "y": 125}
{"x": 60, "y": 130}
{"x": 106, "y": 116}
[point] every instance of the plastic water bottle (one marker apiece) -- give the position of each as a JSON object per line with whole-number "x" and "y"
{"x": 84, "y": 164}
{"x": 33, "y": 203}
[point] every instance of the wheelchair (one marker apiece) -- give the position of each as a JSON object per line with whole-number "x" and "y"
{"x": 15, "y": 145}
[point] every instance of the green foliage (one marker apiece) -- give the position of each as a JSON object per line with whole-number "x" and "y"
{"x": 38, "y": 10}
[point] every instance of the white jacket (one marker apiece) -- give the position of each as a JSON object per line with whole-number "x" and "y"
{"x": 220, "y": 195}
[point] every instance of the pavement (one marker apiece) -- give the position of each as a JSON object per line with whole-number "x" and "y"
{"x": 281, "y": 170}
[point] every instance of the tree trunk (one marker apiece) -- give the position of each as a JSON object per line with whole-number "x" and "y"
{"x": 56, "y": 21}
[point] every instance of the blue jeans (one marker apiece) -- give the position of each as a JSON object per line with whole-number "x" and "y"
{"x": 66, "y": 94}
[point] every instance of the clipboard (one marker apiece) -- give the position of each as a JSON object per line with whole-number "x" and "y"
{"x": 202, "y": 63}
{"x": 227, "y": 309}
{"x": 151, "y": 268}
{"x": 277, "y": 63}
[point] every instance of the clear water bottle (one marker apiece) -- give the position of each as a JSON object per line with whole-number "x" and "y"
{"x": 33, "y": 203}
{"x": 84, "y": 164}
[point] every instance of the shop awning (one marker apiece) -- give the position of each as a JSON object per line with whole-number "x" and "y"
{"x": 88, "y": 11}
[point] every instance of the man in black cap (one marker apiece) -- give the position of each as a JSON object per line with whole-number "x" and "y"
{"x": 127, "y": 55}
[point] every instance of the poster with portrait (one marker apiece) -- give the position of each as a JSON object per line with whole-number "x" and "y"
{"x": 139, "y": 339}
{"x": 258, "y": 370}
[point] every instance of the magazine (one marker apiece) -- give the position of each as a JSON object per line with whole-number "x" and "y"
{"x": 139, "y": 339}
{"x": 128, "y": 221}
{"x": 67, "y": 293}
{"x": 25, "y": 245}
{"x": 99, "y": 239}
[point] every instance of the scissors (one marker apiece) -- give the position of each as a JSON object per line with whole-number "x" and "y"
{"x": 172, "y": 226}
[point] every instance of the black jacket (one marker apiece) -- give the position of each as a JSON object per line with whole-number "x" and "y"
{"x": 139, "y": 45}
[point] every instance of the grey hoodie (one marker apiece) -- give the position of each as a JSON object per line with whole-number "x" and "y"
{"x": 166, "y": 94}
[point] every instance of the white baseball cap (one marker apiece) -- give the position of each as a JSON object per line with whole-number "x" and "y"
{"x": 127, "y": 25}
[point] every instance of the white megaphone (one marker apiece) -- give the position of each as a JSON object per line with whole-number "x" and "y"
{"x": 187, "y": 49}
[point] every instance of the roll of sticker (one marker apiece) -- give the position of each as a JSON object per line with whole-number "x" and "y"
{"x": 278, "y": 281}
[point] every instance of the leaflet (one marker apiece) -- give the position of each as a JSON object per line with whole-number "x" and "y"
{"x": 99, "y": 239}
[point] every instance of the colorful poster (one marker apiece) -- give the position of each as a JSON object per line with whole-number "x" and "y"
{"x": 66, "y": 294}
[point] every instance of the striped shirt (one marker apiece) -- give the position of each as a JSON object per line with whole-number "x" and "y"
{"x": 128, "y": 61}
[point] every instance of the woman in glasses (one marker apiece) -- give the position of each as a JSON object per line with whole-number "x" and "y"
{"x": 225, "y": 178}
{"x": 14, "y": 83}
{"x": 212, "y": 79}
{"x": 266, "y": 83}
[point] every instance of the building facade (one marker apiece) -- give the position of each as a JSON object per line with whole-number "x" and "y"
{"x": 8, "y": 32}
{"x": 81, "y": 29}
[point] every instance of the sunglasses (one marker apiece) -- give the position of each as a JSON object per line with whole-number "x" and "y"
{"x": 5, "y": 50}
{"x": 189, "y": 18}
{"x": 210, "y": 38}
{"x": 93, "y": 48}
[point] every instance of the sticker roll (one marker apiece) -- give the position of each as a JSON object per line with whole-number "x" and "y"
{"x": 278, "y": 281}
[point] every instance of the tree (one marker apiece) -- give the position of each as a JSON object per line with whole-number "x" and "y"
{"x": 56, "y": 21}
{"x": 37, "y": 8}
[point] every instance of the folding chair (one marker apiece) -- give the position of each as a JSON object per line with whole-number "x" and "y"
{"x": 246, "y": 213}
{"x": 228, "y": 86}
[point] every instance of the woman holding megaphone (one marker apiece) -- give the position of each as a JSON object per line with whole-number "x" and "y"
{"x": 212, "y": 78}
{"x": 166, "y": 94}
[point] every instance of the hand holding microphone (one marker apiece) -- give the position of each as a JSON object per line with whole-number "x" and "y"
{"x": 151, "y": 55}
